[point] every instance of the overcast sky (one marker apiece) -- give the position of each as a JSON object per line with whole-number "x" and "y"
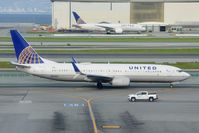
{"x": 25, "y": 6}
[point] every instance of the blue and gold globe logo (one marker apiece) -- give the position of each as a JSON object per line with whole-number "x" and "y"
{"x": 29, "y": 56}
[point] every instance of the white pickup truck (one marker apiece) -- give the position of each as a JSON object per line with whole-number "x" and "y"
{"x": 143, "y": 95}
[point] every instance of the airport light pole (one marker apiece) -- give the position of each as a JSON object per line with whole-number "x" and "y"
{"x": 70, "y": 14}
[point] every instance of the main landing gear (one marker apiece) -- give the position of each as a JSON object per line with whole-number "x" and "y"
{"x": 171, "y": 85}
{"x": 99, "y": 85}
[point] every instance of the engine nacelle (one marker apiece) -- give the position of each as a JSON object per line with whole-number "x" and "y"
{"x": 118, "y": 30}
{"x": 120, "y": 81}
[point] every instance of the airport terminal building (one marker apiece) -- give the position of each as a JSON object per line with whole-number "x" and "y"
{"x": 125, "y": 11}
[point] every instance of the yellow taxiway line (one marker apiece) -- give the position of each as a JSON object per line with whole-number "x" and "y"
{"x": 88, "y": 101}
{"x": 111, "y": 126}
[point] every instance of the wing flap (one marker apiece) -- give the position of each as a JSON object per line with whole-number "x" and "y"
{"x": 99, "y": 78}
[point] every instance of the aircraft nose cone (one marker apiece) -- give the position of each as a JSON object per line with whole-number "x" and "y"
{"x": 187, "y": 75}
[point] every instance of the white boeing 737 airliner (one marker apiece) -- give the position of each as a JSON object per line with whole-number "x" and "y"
{"x": 116, "y": 74}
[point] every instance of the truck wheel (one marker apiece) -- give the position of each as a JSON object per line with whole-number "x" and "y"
{"x": 133, "y": 99}
{"x": 151, "y": 99}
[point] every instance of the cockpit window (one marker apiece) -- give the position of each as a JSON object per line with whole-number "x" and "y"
{"x": 179, "y": 70}
{"x": 104, "y": 22}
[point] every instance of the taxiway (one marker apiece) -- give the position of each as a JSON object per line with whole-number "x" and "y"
{"x": 33, "y": 104}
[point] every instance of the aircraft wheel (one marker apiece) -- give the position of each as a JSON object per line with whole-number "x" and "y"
{"x": 171, "y": 85}
{"x": 99, "y": 85}
{"x": 108, "y": 32}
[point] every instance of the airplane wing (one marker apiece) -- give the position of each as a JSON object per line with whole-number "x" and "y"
{"x": 107, "y": 28}
{"x": 21, "y": 65}
{"x": 93, "y": 77}
{"x": 101, "y": 78}
{"x": 111, "y": 29}
{"x": 76, "y": 26}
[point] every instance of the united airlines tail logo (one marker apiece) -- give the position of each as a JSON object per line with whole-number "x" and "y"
{"x": 29, "y": 56}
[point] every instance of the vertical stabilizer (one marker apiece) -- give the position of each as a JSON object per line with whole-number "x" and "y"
{"x": 24, "y": 52}
{"x": 78, "y": 19}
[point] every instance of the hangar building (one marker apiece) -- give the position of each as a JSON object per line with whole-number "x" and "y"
{"x": 125, "y": 11}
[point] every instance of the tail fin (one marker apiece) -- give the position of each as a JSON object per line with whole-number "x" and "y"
{"x": 24, "y": 52}
{"x": 78, "y": 19}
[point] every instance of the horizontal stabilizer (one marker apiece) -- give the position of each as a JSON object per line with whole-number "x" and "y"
{"x": 21, "y": 65}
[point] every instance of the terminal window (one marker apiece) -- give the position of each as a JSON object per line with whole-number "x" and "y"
{"x": 146, "y": 12}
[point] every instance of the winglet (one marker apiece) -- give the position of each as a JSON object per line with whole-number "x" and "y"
{"x": 78, "y": 18}
{"x": 74, "y": 60}
{"x": 75, "y": 67}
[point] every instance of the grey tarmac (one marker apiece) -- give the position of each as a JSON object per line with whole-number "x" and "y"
{"x": 31, "y": 104}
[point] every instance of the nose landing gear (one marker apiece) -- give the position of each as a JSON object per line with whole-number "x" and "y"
{"x": 171, "y": 85}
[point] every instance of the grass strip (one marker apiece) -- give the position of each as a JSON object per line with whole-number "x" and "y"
{"x": 117, "y": 51}
{"x": 6, "y": 65}
{"x": 103, "y": 39}
{"x": 186, "y": 65}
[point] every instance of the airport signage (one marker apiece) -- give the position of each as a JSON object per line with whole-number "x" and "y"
{"x": 73, "y": 105}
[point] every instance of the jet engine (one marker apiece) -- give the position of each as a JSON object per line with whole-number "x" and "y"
{"x": 118, "y": 30}
{"x": 120, "y": 81}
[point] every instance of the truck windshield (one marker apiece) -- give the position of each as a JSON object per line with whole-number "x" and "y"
{"x": 143, "y": 93}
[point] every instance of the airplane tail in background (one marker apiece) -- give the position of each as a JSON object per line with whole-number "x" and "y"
{"x": 78, "y": 19}
{"x": 24, "y": 52}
